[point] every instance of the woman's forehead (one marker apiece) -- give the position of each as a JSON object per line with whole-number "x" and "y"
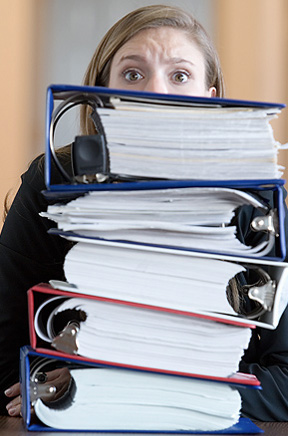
{"x": 170, "y": 42}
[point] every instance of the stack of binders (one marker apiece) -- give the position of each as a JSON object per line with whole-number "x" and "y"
{"x": 162, "y": 290}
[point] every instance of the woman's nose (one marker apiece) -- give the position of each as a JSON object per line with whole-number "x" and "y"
{"x": 156, "y": 83}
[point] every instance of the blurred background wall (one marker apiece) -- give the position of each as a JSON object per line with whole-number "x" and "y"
{"x": 51, "y": 41}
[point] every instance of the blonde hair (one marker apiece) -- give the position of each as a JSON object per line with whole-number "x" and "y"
{"x": 153, "y": 16}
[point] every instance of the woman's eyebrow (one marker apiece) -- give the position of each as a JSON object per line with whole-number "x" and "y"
{"x": 169, "y": 60}
{"x": 131, "y": 58}
{"x": 180, "y": 61}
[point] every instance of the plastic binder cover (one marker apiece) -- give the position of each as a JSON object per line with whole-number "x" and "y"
{"x": 31, "y": 360}
{"x": 164, "y": 269}
{"x": 102, "y": 96}
{"x": 116, "y": 332}
{"x": 93, "y": 214}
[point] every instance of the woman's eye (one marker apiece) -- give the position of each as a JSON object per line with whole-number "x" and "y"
{"x": 132, "y": 76}
{"x": 180, "y": 77}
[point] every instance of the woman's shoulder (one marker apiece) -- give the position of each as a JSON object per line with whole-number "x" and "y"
{"x": 35, "y": 174}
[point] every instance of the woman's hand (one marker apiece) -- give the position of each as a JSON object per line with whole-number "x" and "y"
{"x": 59, "y": 378}
{"x": 14, "y": 407}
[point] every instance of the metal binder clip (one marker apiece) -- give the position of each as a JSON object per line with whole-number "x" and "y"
{"x": 264, "y": 294}
{"x": 268, "y": 223}
{"x": 66, "y": 341}
{"x": 261, "y": 293}
{"x": 41, "y": 390}
{"x": 90, "y": 158}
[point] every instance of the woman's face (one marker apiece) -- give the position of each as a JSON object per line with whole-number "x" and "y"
{"x": 160, "y": 60}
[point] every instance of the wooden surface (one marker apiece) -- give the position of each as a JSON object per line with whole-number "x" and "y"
{"x": 14, "y": 427}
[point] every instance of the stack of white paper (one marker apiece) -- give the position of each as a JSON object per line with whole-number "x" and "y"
{"x": 176, "y": 281}
{"x": 189, "y": 218}
{"x": 191, "y": 143}
{"x": 109, "y": 399}
{"x": 138, "y": 336}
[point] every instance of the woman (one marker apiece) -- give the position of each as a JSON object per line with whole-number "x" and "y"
{"x": 156, "y": 48}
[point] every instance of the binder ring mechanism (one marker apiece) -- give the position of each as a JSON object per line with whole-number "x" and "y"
{"x": 41, "y": 388}
{"x": 67, "y": 340}
{"x": 249, "y": 300}
{"x": 252, "y": 300}
{"x": 90, "y": 153}
{"x": 268, "y": 223}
